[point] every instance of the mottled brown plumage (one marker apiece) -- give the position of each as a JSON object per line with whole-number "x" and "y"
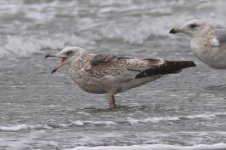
{"x": 114, "y": 74}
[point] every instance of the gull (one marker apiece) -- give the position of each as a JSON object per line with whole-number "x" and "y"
{"x": 113, "y": 74}
{"x": 208, "y": 43}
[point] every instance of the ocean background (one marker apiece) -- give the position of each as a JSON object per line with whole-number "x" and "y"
{"x": 44, "y": 111}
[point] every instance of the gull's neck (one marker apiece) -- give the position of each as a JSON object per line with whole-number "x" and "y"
{"x": 82, "y": 59}
{"x": 204, "y": 32}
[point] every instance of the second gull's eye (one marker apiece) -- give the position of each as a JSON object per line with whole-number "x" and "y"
{"x": 193, "y": 26}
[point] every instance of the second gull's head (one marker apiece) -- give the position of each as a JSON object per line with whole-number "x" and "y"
{"x": 191, "y": 27}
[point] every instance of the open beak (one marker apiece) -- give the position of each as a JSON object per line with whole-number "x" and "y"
{"x": 63, "y": 58}
{"x": 175, "y": 30}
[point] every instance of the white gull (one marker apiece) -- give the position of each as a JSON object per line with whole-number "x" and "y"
{"x": 208, "y": 43}
{"x": 111, "y": 74}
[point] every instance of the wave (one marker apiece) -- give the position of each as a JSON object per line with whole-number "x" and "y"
{"x": 77, "y": 123}
{"x": 133, "y": 121}
{"x": 107, "y": 123}
{"x": 23, "y": 127}
{"x": 32, "y": 27}
{"x": 217, "y": 146}
{"x": 25, "y": 46}
{"x": 139, "y": 26}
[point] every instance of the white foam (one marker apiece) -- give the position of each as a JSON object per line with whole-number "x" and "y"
{"x": 82, "y": 123}
{"x": 151, "y": 119}
{"x": 130, "y": 120}
{"x": 100, "y": 122}
{"x": 217, "y": 146}
{"x": 78, "y": 123}
{"x": 207, "y": 116}
{"x": 201, "y": 116}
{"x": 25, "y": 141}
{"x": 22, "y": 127}
{"x": 14, "y": 128}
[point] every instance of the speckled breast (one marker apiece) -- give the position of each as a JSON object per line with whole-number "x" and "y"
{"x": 213, "y": 56}
{"x": 82, "y": 78}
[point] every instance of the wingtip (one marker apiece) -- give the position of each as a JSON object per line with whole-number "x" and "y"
{"x": 188, "y": 64}
{"x": 172, "y": 31}
{"x": 53, "y": 71}
{"x": 46, "y": 56}
{"x": 193, "y": 64}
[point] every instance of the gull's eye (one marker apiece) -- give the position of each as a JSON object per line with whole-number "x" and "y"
{"x": 69, "y": 53}
{"x": 193, "y": 26}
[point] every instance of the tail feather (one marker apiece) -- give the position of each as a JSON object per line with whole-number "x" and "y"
{"x": 169, "y": 67}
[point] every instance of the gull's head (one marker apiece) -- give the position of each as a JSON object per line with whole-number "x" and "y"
{"x": 67, "y": 55}
{"x": 190, "y": 28}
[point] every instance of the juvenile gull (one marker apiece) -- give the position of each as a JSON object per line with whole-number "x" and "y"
{"x": 110, "y": 74}
{"x": 207, "y": 43}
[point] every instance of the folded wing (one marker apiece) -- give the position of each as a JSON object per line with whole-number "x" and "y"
{"x": 124, "y": 68}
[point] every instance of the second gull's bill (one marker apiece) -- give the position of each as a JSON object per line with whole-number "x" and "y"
{"x": 208, "y": 43}
{"x": 111, "y": 74}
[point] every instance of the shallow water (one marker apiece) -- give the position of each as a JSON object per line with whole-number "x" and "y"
{"x": 43, "y": 111}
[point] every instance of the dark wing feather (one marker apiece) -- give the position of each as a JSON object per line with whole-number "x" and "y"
{"x": 168, "y": 67}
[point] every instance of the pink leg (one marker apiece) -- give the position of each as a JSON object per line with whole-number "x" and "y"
{"x": 111, "y": 102}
